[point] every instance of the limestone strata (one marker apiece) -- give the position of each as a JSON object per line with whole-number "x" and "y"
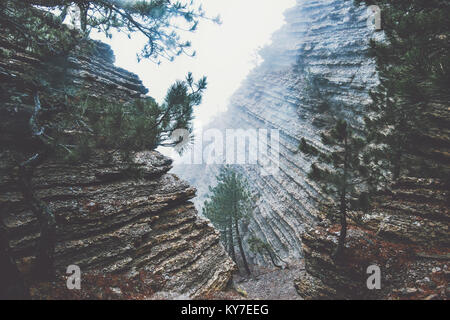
{"x": 317, "y": 68}
{"x": 107, "y": 221}
{"x": 325, "y": 42}
{"x": 109, "y": 224}
{"x": 406, "y": 235}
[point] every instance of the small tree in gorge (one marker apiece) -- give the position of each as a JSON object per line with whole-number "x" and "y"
{"x": 228, "y": 205}
{"x": 342, "y": 173}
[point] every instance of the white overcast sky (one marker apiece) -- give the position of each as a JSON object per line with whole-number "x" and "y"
{"x": 225, "y": 53}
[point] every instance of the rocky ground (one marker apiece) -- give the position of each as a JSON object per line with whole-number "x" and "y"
{"x": 264, "y": 284}
{"x": 269, "y": 284}
{"x": 408, "y": 272}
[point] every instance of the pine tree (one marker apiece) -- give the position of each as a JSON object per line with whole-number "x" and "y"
{"x": 228, "y": 205}
{"x": 159, "y": 21}
{"x": 40, "y": 132}
{"x": 217, "y": 210}
{"x": 342, "y": 172}
{"x": 134, "y": 126}
{"x": 410, "y": 106}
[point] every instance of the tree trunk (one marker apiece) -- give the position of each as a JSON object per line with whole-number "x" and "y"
{"x": 83, "y": 16}
{"x": 397, "y": 165}
{"x": 231, "y": 250}
{"x": 46, "y": 244}
{"x": 224, "y": 234}
{"x": 241, "y": 248}
{"x": 343, "y": 233}
{"x": 12, "y": 284}
{"x": 343, "y": 207}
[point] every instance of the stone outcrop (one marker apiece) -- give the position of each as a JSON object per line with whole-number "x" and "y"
{"x": 317, "y": 68}
{"x": 110, "y": 224}
{"x": 318, "y": 57}
{"x": 107, "y": 221}
{"x": 406, "y": 235}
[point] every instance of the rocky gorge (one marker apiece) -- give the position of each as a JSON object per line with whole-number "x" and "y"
{"x": 318, "y": 68}
{"x": 137, "y": 232}
{"x": 319, "y": 56}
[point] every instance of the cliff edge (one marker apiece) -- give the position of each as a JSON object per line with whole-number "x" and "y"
{"x": 109, "y": 223}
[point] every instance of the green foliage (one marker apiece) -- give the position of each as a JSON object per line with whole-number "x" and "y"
{"x": 307, "y": 148}
{"x": 128, "y": 128}
{"x": 72, "y": 129}
{"x": 259, "y": 246}
{"x": 229, "y": 204}
{"x": 342, "y": 172}
{"x": 313, "y": 84}
{"x": 40, "y": 32}
{"x": 42, "y": 115}
{"x": 140, "y": 125}
{"x": 230, "y": 199}
{"x": 414, "y": 67}
{"x": 161, "y": 22}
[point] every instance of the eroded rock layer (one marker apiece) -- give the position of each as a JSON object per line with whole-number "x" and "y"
{"x": 107, "y": 221}
{"x": 319, "y": 57}
{"x": 316, "y": 69}
{"x": 406, "y": 236}
{"x": 111, "y": 224}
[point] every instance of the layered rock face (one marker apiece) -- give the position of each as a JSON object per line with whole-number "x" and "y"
{"x": 107, "y": 221}
{"x": 318, "y": 58}
{"x": 406, "y": 235}
{"x": 316, "y": 69}
{"x": 111, "y": 224}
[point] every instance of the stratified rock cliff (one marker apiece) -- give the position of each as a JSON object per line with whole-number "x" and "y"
{"x": 108, "y": 222}
{"x": 316, "y": 69}
{"x": 406, "y": 235}
{"x": 318, "y": 57}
